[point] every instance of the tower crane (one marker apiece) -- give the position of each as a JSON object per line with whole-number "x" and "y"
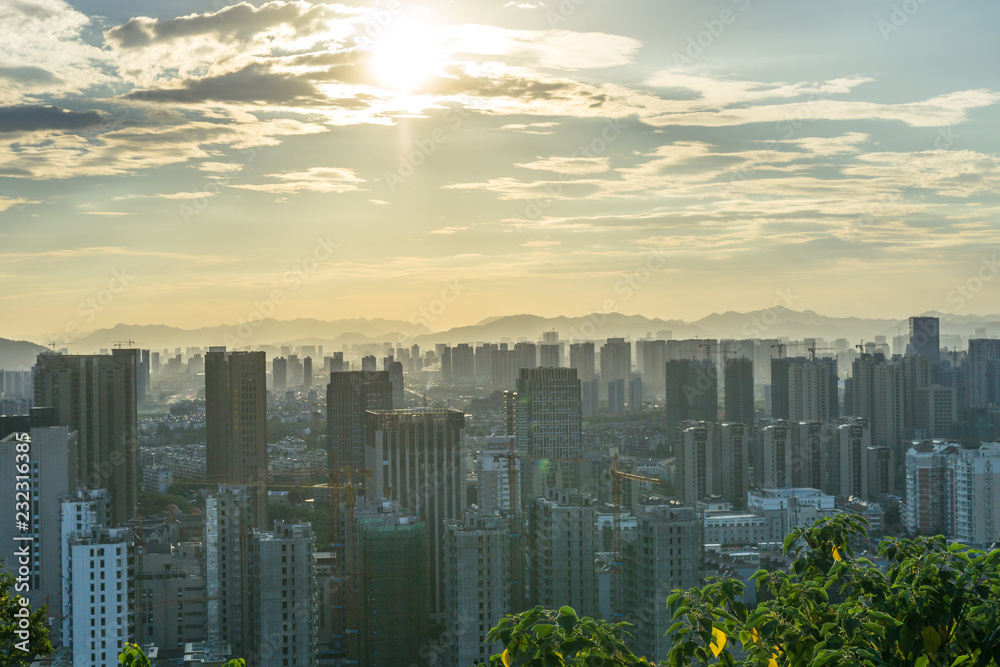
{"x": 617, "y": 475}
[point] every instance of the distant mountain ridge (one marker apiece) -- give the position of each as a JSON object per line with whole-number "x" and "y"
{"x": 18, "y": 355}
{"x": 777, "y": 322}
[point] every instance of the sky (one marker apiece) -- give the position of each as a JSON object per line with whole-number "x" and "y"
{"x": 202, "y": 163}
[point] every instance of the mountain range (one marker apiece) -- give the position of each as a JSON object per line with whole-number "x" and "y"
{"x": 777, "y": 322}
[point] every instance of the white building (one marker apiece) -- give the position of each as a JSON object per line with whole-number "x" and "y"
{"x": 96, "y": 581}
{"x": 156, "y": 479}
{"x": 977, "y": 494}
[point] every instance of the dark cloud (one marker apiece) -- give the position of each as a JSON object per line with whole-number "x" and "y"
{"x": 252, "y": 84}
{"x": 240, "y": 23}
{"x": 460, "y": 82}
{"x": 28, "y": 75}
{"x": 28, "y": 118}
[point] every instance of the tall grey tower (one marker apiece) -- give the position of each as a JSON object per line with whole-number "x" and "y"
{"x": 416, "y": 459}
{"x": 97, "y": 396}
{"x": 236, "y": 423}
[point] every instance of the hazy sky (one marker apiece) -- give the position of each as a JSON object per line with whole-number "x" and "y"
{"x": 202, "y": 162}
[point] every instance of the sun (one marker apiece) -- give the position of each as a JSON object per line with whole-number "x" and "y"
{"x": 407, "y": 54}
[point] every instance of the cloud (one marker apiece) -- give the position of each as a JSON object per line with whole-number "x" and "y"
{"x": 568, "y": 165}
{"x": 40, "y": 37}
{"x": 557, "y": 49}
{"x": 316, "y": 179}
{"x": 128, "y": 150}
{"x": 109, "y": 214}
{"x": 215, "y": 43}
{"x": 31, "y": 118}
{"x": 449, "y": 230}
{"x": 8, "y": 203}
{"x": 254, "y": 84}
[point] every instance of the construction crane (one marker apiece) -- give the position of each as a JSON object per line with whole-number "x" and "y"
{"x": 617, "y": 475}
{"x": 119, "y": 343}
{"x": 516, "y": 585}
{"x": 813, "y": 350}
{"x": 781, "y": 349}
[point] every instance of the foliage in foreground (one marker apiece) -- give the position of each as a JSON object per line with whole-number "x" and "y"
{"x": 933, "y": 604}
{"x": 132, "y": 656}
{"x": 543, "y": 638}
{"x": 930, "y": 604}
{"x": 12, "y": 612}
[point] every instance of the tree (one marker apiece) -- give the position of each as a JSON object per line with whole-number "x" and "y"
{"x": 933, "y": 604}
{"x": 23, "y": 633}
{"x": 543, "y": 638}
{"x": 132, "y": 656}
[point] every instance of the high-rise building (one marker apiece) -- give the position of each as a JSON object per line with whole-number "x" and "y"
{"x": 616, "y": 397}
{"x": 50, "y": 471}
{"x": 878, "y": 395}
{"x": 279, "y": 373}
{"x": 97, "y": 589}
{"x": 527, "y": 355}
{"x": 388, "y": 618}
{"x": 171, "y": 587}
{"x": 661, "y": 555}
{"x": 779, "y": 386}
{"x": 983, "y": 373}
{"x": 476, "y": 586}
{"x": 236, "y": 423}
{"x": 977, "y": 495}
{"x": 296, "y": 370}
{"x": 96, "y": 396}
{"x": 349, "y": 395}
{"x": 504, "y": 369}
{"x": 463, "y": 363}
{"x": 560, "y": 554}
{"x": 307, "y": 373}
{"x": 936, "y": 411}
{"x": 739, "y": 391}
{"x": 635, "y": 395}
{"x": 851, "y": 476}
{"x": 812, "y": 390}
{"x": 281, "y": 598}
{"x": 713, "y": 460}
{"x": 396, "y": 379}
{"x": 692, "y": 392}
{"x": 925, "y": 338}
{"x": 229, "y": 524}
{"x": 544, "y": 417}
{"x": 549, "y": 355}
{"x": 929, "y": 487}
{"x": 416, "y": 458}
{"x": 582, "y": 359}
{"x": 589, "y": 397}
{"x": 616, "y": 360}
{"x": 651, "y": 359}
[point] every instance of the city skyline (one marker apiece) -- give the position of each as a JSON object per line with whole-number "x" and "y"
{"x": 182, "y": 165}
